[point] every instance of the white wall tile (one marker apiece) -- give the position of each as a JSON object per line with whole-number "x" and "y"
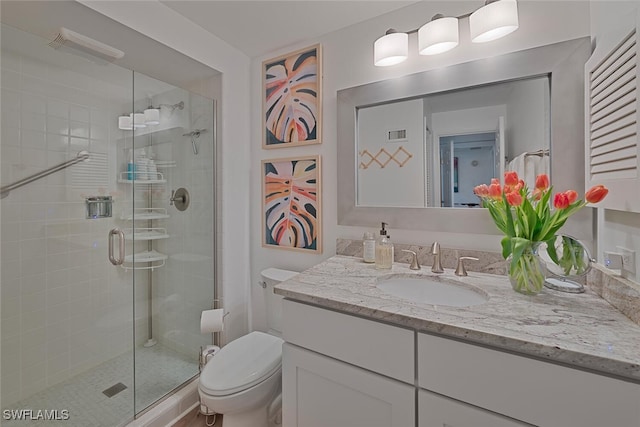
{"x": 57, "y": 125}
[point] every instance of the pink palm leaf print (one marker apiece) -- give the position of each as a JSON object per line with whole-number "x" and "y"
{"x": 290, "y": 203}
{"x": 291, "y": 98}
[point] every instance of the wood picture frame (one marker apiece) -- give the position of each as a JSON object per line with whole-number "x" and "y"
{"x": 292, "y": 99}
{"x": 291, "y": 203}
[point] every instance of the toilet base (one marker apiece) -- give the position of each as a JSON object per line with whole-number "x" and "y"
{"x": 259, "y": 406}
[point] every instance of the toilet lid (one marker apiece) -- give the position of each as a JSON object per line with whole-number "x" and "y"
{"x": 241, "y": 364}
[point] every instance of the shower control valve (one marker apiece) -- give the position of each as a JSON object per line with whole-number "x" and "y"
{"x": 181, "y": 199}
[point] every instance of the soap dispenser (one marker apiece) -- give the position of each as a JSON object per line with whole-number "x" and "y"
{"x": 384, "y": 250}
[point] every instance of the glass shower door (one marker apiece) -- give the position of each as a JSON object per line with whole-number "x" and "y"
{"x": 173, "y": 235}
{"x": 67, "y": 322}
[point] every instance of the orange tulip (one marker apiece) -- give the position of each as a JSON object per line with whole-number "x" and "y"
{"x": 481, "y": 190}
{"x": 514, "y": 198}
{"x": 561, "y": 201}
{"x": 571, "y": 195}
{"x": 495, "y": 181}
{"x": 511, "y": 178}
{"x": 495, "y": 192}
{"x": 542, "y": 181}
{"x": 596, "y": 194}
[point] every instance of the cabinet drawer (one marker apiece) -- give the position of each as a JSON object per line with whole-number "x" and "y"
{"x": 318, "y": 391}
{"x": 438, "y": 411}
{"x": 379, "y": 347}
{"x": 536, "y": 392}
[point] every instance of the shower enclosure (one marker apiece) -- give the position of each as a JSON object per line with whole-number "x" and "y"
{"x": 104, "y": 274}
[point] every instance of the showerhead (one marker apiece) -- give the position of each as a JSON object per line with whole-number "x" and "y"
{"x": 70, "y": 41}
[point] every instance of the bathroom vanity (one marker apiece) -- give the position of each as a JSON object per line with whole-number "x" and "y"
{"x": 357, "y": 356}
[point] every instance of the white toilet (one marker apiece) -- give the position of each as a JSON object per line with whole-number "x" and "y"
{"x": 243, "y": 380}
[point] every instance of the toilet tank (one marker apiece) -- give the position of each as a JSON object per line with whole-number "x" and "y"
{"x": 273, "y": 276}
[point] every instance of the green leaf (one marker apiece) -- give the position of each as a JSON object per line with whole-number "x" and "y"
{"x": 511, "y": 231}
{"x": 518, "y": 246}
{"x": 551, "y": 249}
{"x": 506, "y": 246}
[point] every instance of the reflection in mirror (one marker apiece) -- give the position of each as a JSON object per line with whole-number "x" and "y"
{"x": 433, "y": 150}
{"x": 565, "y": 259}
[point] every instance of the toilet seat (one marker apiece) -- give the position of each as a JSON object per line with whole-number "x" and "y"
{"x": 241, "y": 364}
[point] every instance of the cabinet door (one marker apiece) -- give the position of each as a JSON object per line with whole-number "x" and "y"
{"x": 438, "y": 411}
{"x": 318, "y": 391}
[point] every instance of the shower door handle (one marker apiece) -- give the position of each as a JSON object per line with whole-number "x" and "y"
{"x": 120, "y": 234}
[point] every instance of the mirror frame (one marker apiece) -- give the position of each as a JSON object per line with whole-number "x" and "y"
{"x": 563, "y": 62}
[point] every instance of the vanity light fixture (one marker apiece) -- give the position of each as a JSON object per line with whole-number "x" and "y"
{"x": 149, "y": 117}
{"x": 138, "y": 120}
{"x": 152, "y": 116}
{"x": 438, "y": 35}
{"x": 124, "y": 122}
{"x": 495, "y": 19}
{"x": 391, "y": 49}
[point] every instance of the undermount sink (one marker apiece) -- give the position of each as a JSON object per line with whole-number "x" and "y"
{"x": 432, "y": 290}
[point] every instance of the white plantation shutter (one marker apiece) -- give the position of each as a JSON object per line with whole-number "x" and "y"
{"x": 612, "y": 106}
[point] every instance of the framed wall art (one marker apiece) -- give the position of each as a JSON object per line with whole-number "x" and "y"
{"x": 291, "y": 194}
{"x": 292, "y": 99}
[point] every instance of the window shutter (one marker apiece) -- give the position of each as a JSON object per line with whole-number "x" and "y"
{"x": 612, "y": 148}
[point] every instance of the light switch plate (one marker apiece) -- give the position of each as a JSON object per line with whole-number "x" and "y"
{"x": 613, "y": 260}
{"x": 628, "y": 259}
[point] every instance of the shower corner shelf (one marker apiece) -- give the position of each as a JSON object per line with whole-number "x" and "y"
{"x": 145, "y": 234}
{"x": 122, "y": 179}
{"x": 144, "y": 214}
{"x": 150, "y": 257}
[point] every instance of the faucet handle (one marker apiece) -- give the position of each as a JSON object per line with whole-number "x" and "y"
{"x": 435, "y": 248}
{"x": 460, "y": 270}
{"x": 414, "y": 260}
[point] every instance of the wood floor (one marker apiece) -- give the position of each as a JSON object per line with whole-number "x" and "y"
{"x": 196, "y": 419}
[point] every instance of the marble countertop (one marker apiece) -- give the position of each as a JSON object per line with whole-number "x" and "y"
{"x": 581, "y": 330}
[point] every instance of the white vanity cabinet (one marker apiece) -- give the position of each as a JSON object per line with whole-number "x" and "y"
{"x": 340, "y": 370}
{"x": 439, "y": 411}
{"x": 319, "y": 391}
{"x": 532, "y": 391}
{"x": 331, "y": 366}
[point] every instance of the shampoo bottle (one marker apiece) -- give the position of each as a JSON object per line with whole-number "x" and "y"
{"x": 131, "y": 167}
{"x": 384, "y": 250}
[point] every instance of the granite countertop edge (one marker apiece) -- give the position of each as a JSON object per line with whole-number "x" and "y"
{"x": 313, "y": 286}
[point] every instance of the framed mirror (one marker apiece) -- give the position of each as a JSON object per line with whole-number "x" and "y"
{"x": 364, "y": 199}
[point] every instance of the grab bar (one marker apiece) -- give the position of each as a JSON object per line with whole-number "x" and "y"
{"x": 6, "y": 189}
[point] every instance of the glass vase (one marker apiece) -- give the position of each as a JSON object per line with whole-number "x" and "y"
{"x": 528, "y": 274}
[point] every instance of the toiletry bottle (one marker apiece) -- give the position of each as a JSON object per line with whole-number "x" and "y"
{"x": 369, "y": 250}
{"x": 384, "y": 250}
{"x": 152, "y": 169}
{"x": 142, "y": 164}
{"x": 131, "y": 167}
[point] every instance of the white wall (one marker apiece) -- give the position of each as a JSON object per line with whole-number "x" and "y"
{"x": 166, "y": 26}
{"x": 615, "y": 228}
{"x": 393, "y": 185}
{"x": 529, "y": 117}
{"x": 348, "y": 61}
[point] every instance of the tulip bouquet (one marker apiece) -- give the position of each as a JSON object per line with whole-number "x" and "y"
{"x": 527, "y": 219}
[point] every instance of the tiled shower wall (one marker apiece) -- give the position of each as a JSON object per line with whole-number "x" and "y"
{"x": 65, "y": 308}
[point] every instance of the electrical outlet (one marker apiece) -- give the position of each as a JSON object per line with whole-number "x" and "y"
{"x": 628, "y": 259}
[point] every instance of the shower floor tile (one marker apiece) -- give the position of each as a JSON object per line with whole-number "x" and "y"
{"x": 158, "y": 370}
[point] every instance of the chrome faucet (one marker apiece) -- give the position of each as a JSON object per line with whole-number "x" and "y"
{"x": 437, "y": 264}
{"x": 414, "y": 260}
{"x": 460, "y": 270}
